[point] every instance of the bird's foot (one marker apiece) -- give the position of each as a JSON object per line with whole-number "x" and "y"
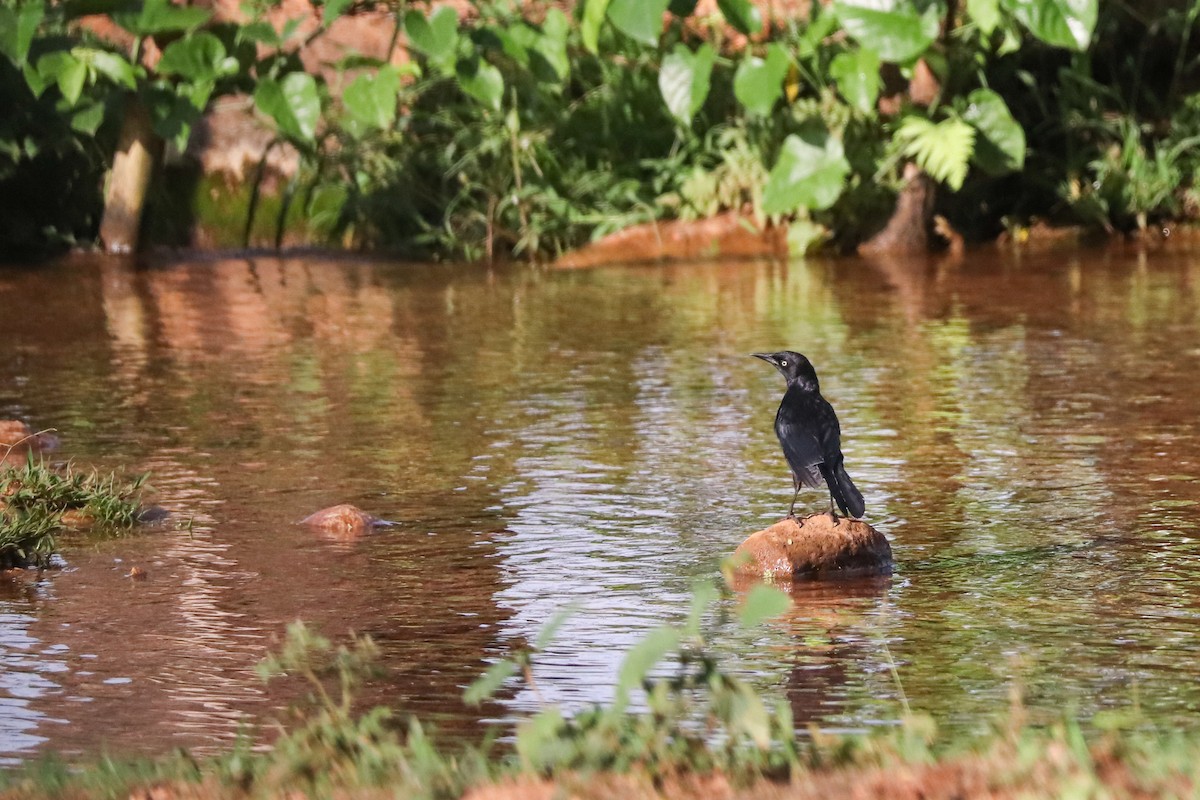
{"x": 836, "y": 519}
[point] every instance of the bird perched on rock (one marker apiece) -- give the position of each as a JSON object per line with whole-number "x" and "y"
{"x": 808, "y": 429}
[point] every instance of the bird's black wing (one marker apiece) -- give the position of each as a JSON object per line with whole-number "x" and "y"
{"x": 801, "y": 446}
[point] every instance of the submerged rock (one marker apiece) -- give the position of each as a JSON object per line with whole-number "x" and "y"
{"x": 813, "y": 548}
{"x": 342, "y": 521}
{"x": 77, "y": 518}
{"x": 17, "y": 438}
{"x": 152, "y": 514}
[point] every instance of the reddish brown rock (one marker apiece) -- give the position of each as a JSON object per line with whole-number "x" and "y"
{"x": 727, "y": 235}
{"x": 814, "y": 548}
{"x": 17, "y": 438}
{"x": 342, "y": 522}
{"x": 14, "y": 433}
{"x": 77, "y": 518}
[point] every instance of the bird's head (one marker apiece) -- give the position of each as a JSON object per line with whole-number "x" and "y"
{"x": 796, "y": 368}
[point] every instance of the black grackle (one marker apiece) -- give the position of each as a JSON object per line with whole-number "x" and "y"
{"x": 808, "y": 429}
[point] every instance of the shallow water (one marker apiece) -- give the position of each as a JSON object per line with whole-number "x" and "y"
{"x": 1023, "y": 430}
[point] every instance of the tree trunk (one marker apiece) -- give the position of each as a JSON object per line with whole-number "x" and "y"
{"x": 138, "y": 148}
{"x": 908, "y": 229}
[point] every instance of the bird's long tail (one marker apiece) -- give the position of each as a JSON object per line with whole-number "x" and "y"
{"x": 847, "y": 495}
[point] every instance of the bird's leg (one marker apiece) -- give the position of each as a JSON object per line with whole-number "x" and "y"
{"x": 832, "y": 513}
{"x": 795, "y": 494}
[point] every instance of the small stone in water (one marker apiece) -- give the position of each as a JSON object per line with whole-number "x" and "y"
{"x": 342, "y": 521}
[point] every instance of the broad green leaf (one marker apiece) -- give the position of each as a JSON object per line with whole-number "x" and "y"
{"x": 87, "y": 118}
{"x": 198, "y": 93}
{"x": 51, "y": 64}
{"x": 290, "y": 29}
{"x": 1010, "y": 42}
{"x": 161, "y": 16}
{"x": 985, "y": 14}
{"x": 172, "y": 112}
{"x": 261, "y": 32}
{"x": 1000, "y": 143}
{"x": 553, "y": 42}
{"x": 594, "y": 12}
{"x": 29, "y": 17}
{"x": 641, "y": 20}
{"x": 684, "y": 80}
{"x": 758, "y": 82}
{"x": 810, "y": 173}
{"x": 761, "y": 603}
{"x": 857, "y": 76}
{"x": 325, "y": 205}
{"x": 110, "y": 65}
{"x": 333, "y": 9}
{"x": 894, "y": 29}
{"x": 65, "y": 70}
{"x": 743, "y": 15}
{"x": 198, "y": 57}
{"x": 515, "y": 41}
{"x": 370, "y": 100}
{"x": 436, "y": 37}
{"x": 17, "y": 27}
{"x": 293, "y": 103}
{"x": 300, "y": 91}
{"x": 486, "y": 685}
{"x": 480, "y": 80}
{"x": 1062, "y": 23}
{"x": 543, "y": 52}
{"x": 942, "y": 150}
{"x": 821, "y": 25}
{"x": 34, "y": 78}
{"x": 8, "y": 38}
{"x": 642, "y": 657}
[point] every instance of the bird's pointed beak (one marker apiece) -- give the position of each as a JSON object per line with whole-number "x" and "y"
{"x": 767, "y": 357}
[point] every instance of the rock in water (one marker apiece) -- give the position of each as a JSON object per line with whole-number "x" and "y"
{"x": 813, "y": 548}
{"x": 16, "y": 438}
{"x": 345, "y": 522}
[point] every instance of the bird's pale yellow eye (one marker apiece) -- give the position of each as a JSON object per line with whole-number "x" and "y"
{"x": 783, "y": 363}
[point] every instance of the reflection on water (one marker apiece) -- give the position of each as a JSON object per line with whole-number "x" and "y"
{"x": 1023, "y": 431}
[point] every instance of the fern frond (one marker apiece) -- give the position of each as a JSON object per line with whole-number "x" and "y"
{"x": 943, "y": 149}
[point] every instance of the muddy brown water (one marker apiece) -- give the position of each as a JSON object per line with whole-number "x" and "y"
{"x": 1023, "y": 429}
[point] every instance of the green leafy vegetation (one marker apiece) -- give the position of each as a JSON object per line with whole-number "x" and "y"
{"x": 696, "y": 721}
{"x": 507, "y": 133}
{"x": 37, "y": 501}
{"x": 697, "y": 718}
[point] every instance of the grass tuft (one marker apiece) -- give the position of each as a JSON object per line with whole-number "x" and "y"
{"x": 38, "y": 500}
